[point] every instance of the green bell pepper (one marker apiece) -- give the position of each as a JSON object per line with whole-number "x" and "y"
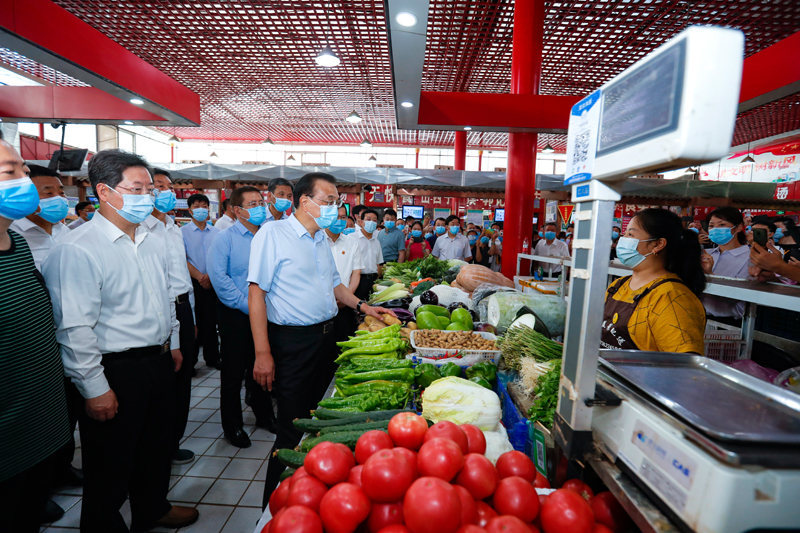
{"x": 427, "y": 320}
{"x": 425, "y": 374}
{"x": 462, "y": 316}
{"x": 485, "y": 370}
{"x": 480, "y": 381}
{"x": 450, "y": 369}
{"x": 437, "y": 310}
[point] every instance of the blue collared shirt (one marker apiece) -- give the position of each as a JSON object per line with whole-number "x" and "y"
{"x": 296, "y": 270}
{"x": 197, "y": 243}
{"x": 271, "y": 218}
{"x": 228, "y": 260}
{"x": 392, "y": 241}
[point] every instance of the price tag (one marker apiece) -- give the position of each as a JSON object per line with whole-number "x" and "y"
{"x": 539, "y": 450}
{"x": 584, "y": 120}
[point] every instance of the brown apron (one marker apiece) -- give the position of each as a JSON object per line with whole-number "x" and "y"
{"x": 617, "y": 314}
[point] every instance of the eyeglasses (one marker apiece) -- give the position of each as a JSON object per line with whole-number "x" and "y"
{"x": 152, "y": 191}
{"x": 338, "y": 203}
{"x": 251, "y": 205}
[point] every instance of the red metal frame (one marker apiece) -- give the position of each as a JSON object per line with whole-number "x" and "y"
{"x": 460, "y": 150}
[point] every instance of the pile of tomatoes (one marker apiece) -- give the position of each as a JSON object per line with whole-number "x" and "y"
{"x": 417, "y": 479}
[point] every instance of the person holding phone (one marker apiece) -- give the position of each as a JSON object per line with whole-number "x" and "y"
{"x": 730, "y": 258}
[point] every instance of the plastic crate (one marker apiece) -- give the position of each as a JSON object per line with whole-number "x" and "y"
{"x": 443, "y": 353}
{"x": 516, "y": 424}
{"x": 723, "y": 345}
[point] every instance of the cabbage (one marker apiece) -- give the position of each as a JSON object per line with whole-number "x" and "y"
{"x": 461, "y": 402}
{"x": 497, "y": 443}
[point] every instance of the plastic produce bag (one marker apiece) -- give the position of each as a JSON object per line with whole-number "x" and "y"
{"x": 502, "y": 309}
{"x": 480, "y": 295}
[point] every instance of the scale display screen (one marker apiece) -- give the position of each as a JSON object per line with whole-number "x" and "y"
{"x": 416, "y": 211}
{"x": 644, "y": 103}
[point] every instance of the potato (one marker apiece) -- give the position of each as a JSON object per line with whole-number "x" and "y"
{"x": 370, "y": 320}
{"x": 363, "y": 327}
{"x": 376, "y": 326}
{"x": 405, "y": 333}
{"x": 411, "y": 325}
{"x": 390, "y": 320}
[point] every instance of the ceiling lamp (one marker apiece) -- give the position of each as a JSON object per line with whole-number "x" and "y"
{"x": 373, "y": 158}
{"x": 365, "y": 143}
{"x": 173, "y": 139}
{"x": 327, "y": 58}
{"x": 407, "y": 104}
{"x": 406, "y": 19}
{"x": 548, "y": 149}
{"x": 290, "y": 158}
{"x": 128, "y": 122}
{"x": 136, "y": 101}
{"x": 267, "y": 141}
{"x": 748, "y": 159}
{"x": 353, "y": 118}
{"x": 212, "y": 154}
{"x": 467, "y": 128}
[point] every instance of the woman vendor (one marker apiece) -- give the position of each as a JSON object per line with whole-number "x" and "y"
{"x": 657, "y": 308}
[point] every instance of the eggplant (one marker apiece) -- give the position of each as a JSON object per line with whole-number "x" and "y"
{"x": 399, "y": 303}
{"x": 404, "y": 315}
{"x": 455, "y": 305}
{"x": 429, "y": 298}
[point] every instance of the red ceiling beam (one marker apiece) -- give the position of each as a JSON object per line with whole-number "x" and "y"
{"x": 771, "y": 74}
{"x": 492, "y": 111}
{"x": 73, "y": 104}
{"x": 51, "y": 35}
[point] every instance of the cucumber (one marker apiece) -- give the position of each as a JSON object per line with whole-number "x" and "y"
{"x": 287, "y": 473}
{"x": 363, "y": 426}
{"x": 348, "y": 438}
{"x": 290, "y": 458}
{"x": 331, "y": 414}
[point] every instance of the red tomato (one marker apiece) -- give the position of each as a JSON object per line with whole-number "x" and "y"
{"x": 478, "y": 476}
{"x": 485, "y": 513}
{"x": 355, "y": 475}
{"x": 566, "y": 511}
{"x": 278, "y": 498}
{"x": 609, "y": 512}
{"x": 600, "y": 528}
{"x": 386, "y": 476}
{"x": 533, "y": 528}
{"x": 432, "y": 505}
{"x": 542, "y": 498}
{"x": 541, "y": 482}
{"x": 370, "y": 442}
{"x": 407, "y": 430}
{"x": 447, "y": 430}
{"x": 266, "y": 527}
{"x": 343, "y": 508}
{"x": 516, "y": 463}
{"x": 397, "y": 528}
{"x": 471, "y": 528}
{"x": 476, "y": 441}
{"x": 579, "y": 487}
{"x": 297, "y": 519}
{"x": 307, "y": 491}
{"x": 469, "y": 511}
{"x": 383, "y": 515}
{"x": 329, "y": 462}
{"x": 440, "y": 458}
{"x": 411, "y": 456}
{"x": 507, "y": 524}
{"x": 516, "y": 496}
{"x": 300, "y": 472}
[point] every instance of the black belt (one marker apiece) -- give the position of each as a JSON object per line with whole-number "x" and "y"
{"x": 182, "y": 298}
{"x": 322, "y": 327}
{"x": 138, "y": 353}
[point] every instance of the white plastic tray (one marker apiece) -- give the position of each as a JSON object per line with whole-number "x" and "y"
{"x": 442, "y": 353}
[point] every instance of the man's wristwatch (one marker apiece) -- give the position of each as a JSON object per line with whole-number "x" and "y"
{"x": 359, "y": 304}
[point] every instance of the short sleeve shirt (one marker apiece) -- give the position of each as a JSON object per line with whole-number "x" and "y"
{"x": 452, "y": 248}
{"x": 392, "y": 242}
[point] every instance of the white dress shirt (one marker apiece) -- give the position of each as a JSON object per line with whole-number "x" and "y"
{"x": 179, "y": 280}
{"x": 346, "y": 256}
{"x": 370, "y": 250}
{"x": 556, "y": 249}
{"x": 448, "y": 247}
{"x": 224, "y": 222}
{"x": 76, "y": 223}
{"x": 39, "y": 241}
{"x": 109, "y": 295}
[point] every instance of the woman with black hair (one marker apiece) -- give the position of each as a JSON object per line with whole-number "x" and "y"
{"x": 657, "y": 308}
{"x": 786, "y": 231}
{"x": 731, "y": 258}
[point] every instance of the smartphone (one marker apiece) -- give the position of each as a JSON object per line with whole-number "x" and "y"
{"x": 760, "y": 236}
{"x": 794, "y": 252}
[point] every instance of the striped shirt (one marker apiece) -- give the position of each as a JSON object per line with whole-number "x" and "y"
{"x": 33, "y": 406}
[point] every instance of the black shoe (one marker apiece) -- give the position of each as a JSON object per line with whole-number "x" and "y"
{"x": 238, "y": 438}
{"x": 269, "y": 424}
{"x": 183, "y": 457}
{"x": 52, "y": 512}
{"x": 71, "y": 477}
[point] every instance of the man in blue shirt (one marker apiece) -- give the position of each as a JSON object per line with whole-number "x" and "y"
{"x": 197, "y": 236}
{"x": 393, "y": 240}
{"x": 279, "y": 199}
{"x": 294, "y": 287}
{"x": 228, "y": 260}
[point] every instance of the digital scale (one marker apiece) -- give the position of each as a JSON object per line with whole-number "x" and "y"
{"x": 717, "y": 451}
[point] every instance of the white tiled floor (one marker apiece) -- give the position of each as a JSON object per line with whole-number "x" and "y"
{"x": 224, "y": 482}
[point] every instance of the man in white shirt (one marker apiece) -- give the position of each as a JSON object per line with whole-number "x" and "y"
{"x": 349, "y": 263}
{"x": 119, "y": 336}
{"x": 549, "y": 246}
{"x": 42, "y": 229}
{"x": 370, "y": 250}
{"x": 279, "y": 199}
{"x": 228, "y": 217}
{"x": 182, "y": 296}
{"x": 85, "y": 212}
{"x": 453, "y": 245}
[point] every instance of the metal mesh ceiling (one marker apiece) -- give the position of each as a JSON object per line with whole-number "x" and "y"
{"x": 252, "y": 62}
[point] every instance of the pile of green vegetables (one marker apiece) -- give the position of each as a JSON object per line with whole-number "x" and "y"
{"x": 484, "y": 374}
{"x": 545, "y": 396}
{"x": 521, "y": 341}
{"x": 428, "y": 267}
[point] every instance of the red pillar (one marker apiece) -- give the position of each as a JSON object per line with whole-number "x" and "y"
{"x": 416, "y": 162}
{"x": 526, "y": 66}
{"x": 461, "y": 151}
{"x": 480, "y": 160}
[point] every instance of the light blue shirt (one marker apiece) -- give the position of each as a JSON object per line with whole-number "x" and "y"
{"x": 296, "y": 270}
{"x": 197, "y": 243}
{"x": 228, "y": 260}
{"x": 392, "y": 241}
{"x": 271, "y": 218}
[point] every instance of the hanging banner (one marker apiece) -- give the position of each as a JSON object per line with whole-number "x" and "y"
{"x": 475, "y": 216}
{"x": 440, "y": 213}
{"x": 551, "y": 211}
{"x": 379, "y": 196}
{"x": 566, "y": 212}
{"x": 776, "y": 163}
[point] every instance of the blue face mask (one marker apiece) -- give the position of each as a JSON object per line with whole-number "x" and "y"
{"x": 135, "y": 207}
{"x": 541, "y": 234}
{"x": 485, "y": 239}
{"x": 200, "y": 214}
{"x": 417, "y": 233}
{"x": 440, "y": 230}
{"x": 549, "y": 235}
{"x": 428, "y": 235}
{"x": 90, "y": 215}
{"x": 401, "y": 227}
{"x": 695, "y": 230}
{"x": 473, "y": 239}
{"x": 348, "y": 231}
{"x": 388, "y": 224}
{"x": 328, "y": 214}
{"x": 615, "y": 235}
{"x": 370, "y": 226}
{"x": 282, "y": 204}
{"x": 53, "y": 209}
{"x": 500, "y": 238}
{"x": 257, "y": 215}
{"x": 778, "y": 235}
{"x": 720, "y": 236}
{"x": 628, "y": 253}
{"x": 453, "y": 229}
{"x": 338, "y": 226}
{"x": 165, "y": 201}
{"x": 18, "y": 198}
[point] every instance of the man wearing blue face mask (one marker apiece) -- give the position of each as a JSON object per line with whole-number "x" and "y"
{"x": 370, "y": 250}
{"x": 279, "y": 199}
{"x": 549, "y": 246}
{"x": 197, "y": 237}
{"x": 44, "y": 228}
{"x": 228, "y": 261}
{"x": 119, "y": 338}
{"x": 85, "y": 212}
{"x": 453, "y": 245}
{"x": 392, "y": 239}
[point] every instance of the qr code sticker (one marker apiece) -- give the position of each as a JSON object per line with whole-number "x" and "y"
{"x": 581, "y": 152}
{"x": 540, "y": 455}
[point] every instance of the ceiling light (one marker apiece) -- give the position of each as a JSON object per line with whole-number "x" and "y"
{"x": 407, "y": 104}
{"x": 290, "y": 158}
{"x": 267, "y": 141}
{"x": 548, "y": 149}
{"x": 128, "y": 122}
{"x": 365, "y": 143}
{"x": 373, "y": 158}
{"x": 212, "y": 154}
{"x": 406, "y": 19}
{"x": 467, "y": 128}
{"x": 136, "y": 101}
{"x": 173, "y": 139}
{"x": 748, "y": 159}
{"x": 327, "y": 58}
{"x": 353, "y": 118}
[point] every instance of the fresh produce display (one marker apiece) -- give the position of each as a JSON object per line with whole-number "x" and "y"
{"x": 393, "y": 292}
{"x": 485, "y": 370}
{"x": 545, "y": 396}
{"x": 420, "y": 269}
{"x": 463, "y": 402}
{"x": 471, "y": 276}
{"x": 452, "y": 340}
{"x": 417, "y": 479}
{"x": 523, "y": 342}
{"x": 502, "y": 309}
{"x": 425, "y": 374}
